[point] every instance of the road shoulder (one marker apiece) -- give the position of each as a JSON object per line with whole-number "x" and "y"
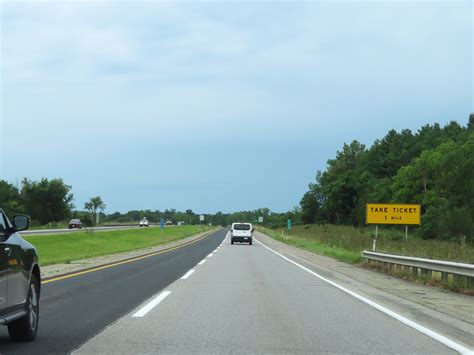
{"x": 443, "y": 311}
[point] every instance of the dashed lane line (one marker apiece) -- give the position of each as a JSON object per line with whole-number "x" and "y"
{"x": 152, "y": 304}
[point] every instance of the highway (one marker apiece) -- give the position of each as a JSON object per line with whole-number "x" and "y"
{"x": 67, "y": 230}
{"x": 75, "y": 309}
{"x": 214, "y": 297}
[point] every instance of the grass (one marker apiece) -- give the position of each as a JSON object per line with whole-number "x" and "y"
{"x": 314, "y": 246}
{"x": 64, "y": 248}
{"x": 346, "y": 243}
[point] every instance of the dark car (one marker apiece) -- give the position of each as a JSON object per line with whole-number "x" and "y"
{"x": 75, "y": 223}
{"x": 20, "y": 280}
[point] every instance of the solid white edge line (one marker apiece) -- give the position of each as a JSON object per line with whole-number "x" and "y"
{"x": 150, "y": 305}
{"x": 209, "y": 255}
{"x": 186, "y": 275}
{"x": 432, "y": 334}
{"x": 202, "y": 262}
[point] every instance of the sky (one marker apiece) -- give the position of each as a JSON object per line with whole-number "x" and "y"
{"x": 219, "y": 106}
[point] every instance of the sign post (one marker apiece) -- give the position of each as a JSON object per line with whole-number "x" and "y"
{"x": 260, "y": 219}
{"x": 289, "y": 225}
{"x": 391, "y": 213}
{"x": 374, "y": 242}
{"x": 201, "y": 219}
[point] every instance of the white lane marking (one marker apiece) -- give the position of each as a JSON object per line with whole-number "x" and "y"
{"x": 186, "y": 275}
{"x": 224, "y": 239}
{"x": 202, "y": 262}
{"x": 432, "y": 334}
{"x": 152, "y": 304}
{"x": 209, "y": 255}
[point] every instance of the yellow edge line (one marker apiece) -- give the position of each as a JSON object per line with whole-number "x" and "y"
{"x": 121, "y": 262}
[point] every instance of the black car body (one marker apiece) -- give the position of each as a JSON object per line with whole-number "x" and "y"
{"x": 20, "y": 280}
{"x": 75, "y": 223}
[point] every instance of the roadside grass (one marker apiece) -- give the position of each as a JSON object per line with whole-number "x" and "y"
{"x": 314, "y": 246}
{"x": 346, "y": 243}
{"x": 64, "y": 248}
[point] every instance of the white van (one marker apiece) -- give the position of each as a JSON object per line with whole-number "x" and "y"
{"x": 241, "y": 232}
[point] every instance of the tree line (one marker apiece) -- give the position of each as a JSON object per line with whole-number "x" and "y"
{"x": 270, "y": 219}
{"x": 47, "y": 201}
{"x": 433, "y": 166}
{"x": 51, "y": 201}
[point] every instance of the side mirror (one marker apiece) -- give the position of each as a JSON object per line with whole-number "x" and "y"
{"x": 20, "y": 222}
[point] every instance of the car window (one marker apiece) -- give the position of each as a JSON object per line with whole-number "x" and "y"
{"x": 242, "y": 227}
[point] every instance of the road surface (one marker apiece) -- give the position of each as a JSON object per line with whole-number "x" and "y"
{"x": 75, "y": 309}
{"x": 214, "y": 297}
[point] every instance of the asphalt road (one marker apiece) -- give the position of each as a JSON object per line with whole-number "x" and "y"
{"x": 231, "y": 299}
{"x": 246, "y": 299}
{"x": 75, "y": 309}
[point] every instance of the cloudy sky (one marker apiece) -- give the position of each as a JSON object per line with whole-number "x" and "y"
{"x": 219, "y": 105}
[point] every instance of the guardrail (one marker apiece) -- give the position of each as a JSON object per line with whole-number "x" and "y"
{"x": 425, "y": 267}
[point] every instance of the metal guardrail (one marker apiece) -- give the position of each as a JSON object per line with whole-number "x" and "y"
{"x": 426, "y": 266}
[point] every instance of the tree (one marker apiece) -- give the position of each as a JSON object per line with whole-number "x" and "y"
{"x": 310, "y": 206}
{"x": 95, "y": 204}
{"x": 47, "y": 200}
{"x": 10, "y": 199}
{"x": 433, "y": 166}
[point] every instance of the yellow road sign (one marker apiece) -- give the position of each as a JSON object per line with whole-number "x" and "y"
{"x": 387, "y": 213}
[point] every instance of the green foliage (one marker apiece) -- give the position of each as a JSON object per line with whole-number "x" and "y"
{"x": 10, "y": 199}
{"x": 353, "y": 241}
{"x": 270, "y": 218}
{"x": 434, "y": 167}
{"x": 46, "y": 200}
{"x": 95, "y": 204}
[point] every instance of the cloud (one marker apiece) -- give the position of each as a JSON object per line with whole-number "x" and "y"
{"x": 103, "y": 80}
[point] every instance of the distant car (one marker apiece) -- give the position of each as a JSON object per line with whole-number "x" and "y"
{"x": 75, "y": 223}
{"x": 169, "y": 223}
{"x": 144, "y": 223}
{"x": 241, "y": 232}
{"x": 20, "y": 280}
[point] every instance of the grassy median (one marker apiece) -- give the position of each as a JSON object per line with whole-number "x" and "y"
{"x": 64, "y": 248}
